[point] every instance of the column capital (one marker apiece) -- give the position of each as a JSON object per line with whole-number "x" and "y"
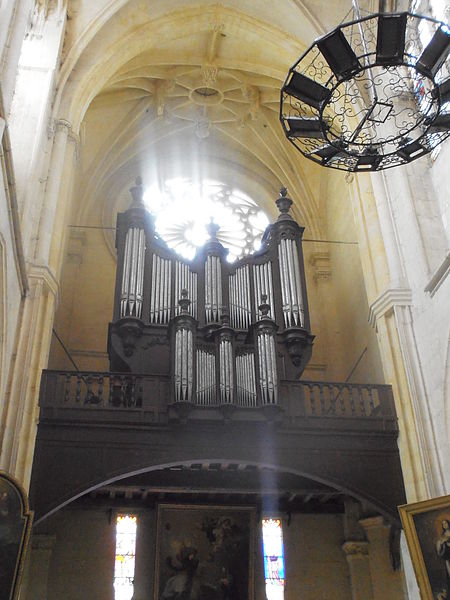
{"x": 41, "y": 272}
{"x": 387, "y": 301}
{"x": 62, "y": 125}
{"x": 355, "y": 548}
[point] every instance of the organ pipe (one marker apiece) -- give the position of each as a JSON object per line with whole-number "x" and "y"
{"x": 206, "y": 377}
{"x": 183, "y": 370}
{"x": 291, "y": 292}
{"x": 268, "y": 380}
{"x": 133, "y": 273}
{"x": 213, "y": 289}
{"x": 226, "y": 371}
{"x": 185, "y": 279}
{"x": 240, "y": 307}
{"x": 245, "y": 380}
{"x": 160, "y": 290}
{"x": 262, "y": 276}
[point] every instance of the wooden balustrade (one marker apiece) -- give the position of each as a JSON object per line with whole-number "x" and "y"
{"x": 300, "y": 401}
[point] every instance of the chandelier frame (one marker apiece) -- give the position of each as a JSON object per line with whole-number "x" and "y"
{"x": 368, "y": 95}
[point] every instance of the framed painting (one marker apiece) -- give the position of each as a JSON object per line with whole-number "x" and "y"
{"x": 204, "y": 553}
{"x": 427, "y": 531}
{"x": 15, "y": 527}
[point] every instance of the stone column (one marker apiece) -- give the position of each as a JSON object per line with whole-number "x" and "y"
{"x": 52, "y": 195}
{"x": 21, "y": 400}
{"x": 357, "y": 555}
{"x": 386, "y": 582}
{"x": 61, "y": 230}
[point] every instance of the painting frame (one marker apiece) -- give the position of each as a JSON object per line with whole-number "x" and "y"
{"x": 16, "y": 520}
{"x": 187, "y": 518}
{"x": 425, "y": 532}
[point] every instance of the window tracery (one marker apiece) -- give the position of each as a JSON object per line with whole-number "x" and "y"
{"x": 183, "y": 209}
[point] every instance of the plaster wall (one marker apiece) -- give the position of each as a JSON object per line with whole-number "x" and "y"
{"x": 351, "y": 345}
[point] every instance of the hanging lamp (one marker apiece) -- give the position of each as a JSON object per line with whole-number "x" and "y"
{"x": 370, "y": 94}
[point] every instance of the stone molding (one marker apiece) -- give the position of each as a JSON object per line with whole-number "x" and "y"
{"x": 439, "y": 276}
{"x": 387, "y": 301}
{"x": 355, "y": 548}
{"x": 44, "y": 274}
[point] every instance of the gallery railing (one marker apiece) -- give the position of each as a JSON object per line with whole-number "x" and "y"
{"x": 343, "y": 404}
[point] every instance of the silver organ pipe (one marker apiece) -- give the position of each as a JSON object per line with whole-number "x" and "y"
{"x": 160, "y": 290}
{"x": 213, "y": 289}
{"x": 267, "y": 369}
{"x": 262, "y": 277}
{"x": 245, "y": 380}
{"x": 185, "y": 279}
{"x": 291, "y": 291}
{"x": 133, "y": 273}
{"x": 226, "y": 371}
{"x": 206, "y": 377}
{"x": 240, "y": 307}
{"x": 183, "y": 370}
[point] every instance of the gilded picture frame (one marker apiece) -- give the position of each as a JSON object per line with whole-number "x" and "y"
{"x": 15, "y": 527}
{"x": 204, "y": 552}
{"x": 427, "y": 530}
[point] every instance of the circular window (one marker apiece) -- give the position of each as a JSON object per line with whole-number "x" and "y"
{"x": 183, "y": 209}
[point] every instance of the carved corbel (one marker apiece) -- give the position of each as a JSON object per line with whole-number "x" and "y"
{"x": 130, "y": 330}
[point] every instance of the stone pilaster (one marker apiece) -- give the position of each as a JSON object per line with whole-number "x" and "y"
{"x": 357, "y": 555}
{"x": 21, "y": 401}
{"x": 386, "y": 582}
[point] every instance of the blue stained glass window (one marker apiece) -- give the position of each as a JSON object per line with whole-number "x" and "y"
{"x": 273, "y": 558}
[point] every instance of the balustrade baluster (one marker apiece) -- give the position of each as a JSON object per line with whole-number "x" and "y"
{"x": 67, "y": 383}
{"x": 312, "y": 401}
{"x": 78, "y": 389}
{"x": 352, "y": 400}
{"x": 100, "y": 390}
{"x": 342, "y": 390}
{"x": 141, "y": 393}
{"x": 371, "y": 401}
{"x": 322, "y": 400}
{"x": 362, "y": 404}
{"x": 132, "y": 394}
{"x": 123, "y": 390}
{"x": 88, "y": 398}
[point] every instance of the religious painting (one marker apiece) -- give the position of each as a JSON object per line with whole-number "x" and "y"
{"x": 427, "y": 530}
{"x": 15, "y": 526}
{"x": 204, "y": 553}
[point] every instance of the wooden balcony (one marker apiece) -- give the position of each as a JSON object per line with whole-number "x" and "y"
{"x": 102, "y": 427}
{"x": 98, "y": 397}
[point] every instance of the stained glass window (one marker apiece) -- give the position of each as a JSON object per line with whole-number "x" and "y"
{"x": 125, "y": 557}
{"x": 273, "y": 558}
{"x": 182, "y": 210}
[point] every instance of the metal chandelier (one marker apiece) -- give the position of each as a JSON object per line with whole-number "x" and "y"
{"x": 370, "y": 94}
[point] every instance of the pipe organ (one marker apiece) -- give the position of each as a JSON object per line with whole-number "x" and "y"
{"x": 225, "y": 333}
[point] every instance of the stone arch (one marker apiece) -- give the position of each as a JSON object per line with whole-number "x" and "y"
{"x": 327, "y": 481}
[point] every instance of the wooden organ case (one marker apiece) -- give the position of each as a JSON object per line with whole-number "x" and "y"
{"x": 224, "y": 333}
